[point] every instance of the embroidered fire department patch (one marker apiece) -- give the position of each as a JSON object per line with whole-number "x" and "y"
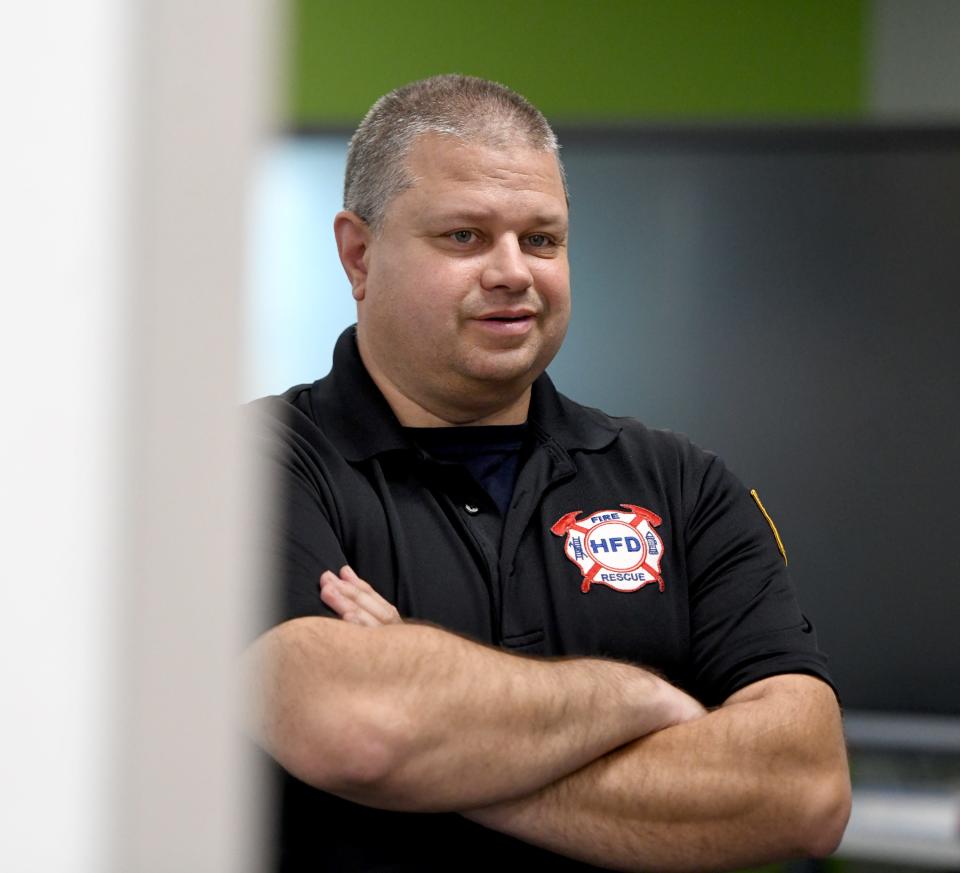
{"x": 618, "y": 548}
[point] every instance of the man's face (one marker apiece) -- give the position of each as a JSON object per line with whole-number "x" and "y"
{"x": 466, "y": 297}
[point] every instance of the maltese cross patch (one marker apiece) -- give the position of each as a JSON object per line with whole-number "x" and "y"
{"x": 618, "y": 548}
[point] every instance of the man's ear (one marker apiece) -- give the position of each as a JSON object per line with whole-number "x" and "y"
{"x": 353, "y": 242}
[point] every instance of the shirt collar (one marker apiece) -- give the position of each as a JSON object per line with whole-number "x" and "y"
{"x": 362, "y": 424}
{"x": 574, "y": 427}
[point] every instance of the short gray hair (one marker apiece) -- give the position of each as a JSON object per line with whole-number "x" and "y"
{"x": 471, "y": 109}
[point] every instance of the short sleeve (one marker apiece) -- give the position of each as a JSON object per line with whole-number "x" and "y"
{"x": 298, "y": 541}
{"x": 746, "y": 623}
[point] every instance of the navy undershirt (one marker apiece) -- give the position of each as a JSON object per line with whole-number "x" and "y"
{"x": 491, "y": 453}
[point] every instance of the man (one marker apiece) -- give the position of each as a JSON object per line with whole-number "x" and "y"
{"x": 451, "y": 525}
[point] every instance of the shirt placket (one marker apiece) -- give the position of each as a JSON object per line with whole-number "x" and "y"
{"x": 521, "y": 602}
{"x": 479, "y": 520}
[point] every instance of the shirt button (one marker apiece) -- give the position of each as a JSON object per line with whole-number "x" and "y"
{"x": 473, "y": 510}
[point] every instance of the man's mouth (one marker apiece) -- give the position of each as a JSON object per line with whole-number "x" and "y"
{"x": 507, "y": 323}
{"x": 507, "y": 316}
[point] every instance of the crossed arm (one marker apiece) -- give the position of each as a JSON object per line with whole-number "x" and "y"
{"x": 763, "y": 777}
{"x": 410, "y": 717}
{"x": 415, "y": 718}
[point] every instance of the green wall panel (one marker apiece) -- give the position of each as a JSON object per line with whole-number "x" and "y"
{"x": 588, "y": 60}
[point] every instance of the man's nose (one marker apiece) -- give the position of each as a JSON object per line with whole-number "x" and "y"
{"x": 506, "y": 266}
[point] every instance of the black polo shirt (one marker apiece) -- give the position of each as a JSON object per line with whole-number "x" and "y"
{"x": 619, "y": 541}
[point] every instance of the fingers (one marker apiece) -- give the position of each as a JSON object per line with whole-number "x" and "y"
{"x": 366, "y": 598}
{"x": 332, "y": 594}
{"x": 356, "y": 601}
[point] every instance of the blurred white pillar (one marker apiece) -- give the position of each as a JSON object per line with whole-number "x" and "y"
{"x": 200, "y": 111}
{"x": 127, "y": 139}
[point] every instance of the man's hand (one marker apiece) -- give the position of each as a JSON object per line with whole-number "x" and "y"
{"x": 355, "y": 600}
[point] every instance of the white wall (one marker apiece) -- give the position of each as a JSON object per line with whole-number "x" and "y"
{"x": 62, "y": 235}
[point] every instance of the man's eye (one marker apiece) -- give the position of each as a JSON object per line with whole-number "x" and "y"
{"x": 462, "y": 236}
{"x": 539, "y": 240}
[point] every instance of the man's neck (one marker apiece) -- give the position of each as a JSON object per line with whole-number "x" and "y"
{"x": 419, "y": 412}
{"x": 411, "y": 414}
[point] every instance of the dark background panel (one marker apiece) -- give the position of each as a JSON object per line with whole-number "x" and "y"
{"x": 791, "y": 300}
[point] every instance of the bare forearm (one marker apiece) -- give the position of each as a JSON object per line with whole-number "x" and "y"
{"x": 411, "y": 717}
{"x": 757, "y": 780}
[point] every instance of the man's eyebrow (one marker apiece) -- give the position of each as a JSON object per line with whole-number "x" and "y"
{"x": 467, "y": 216}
